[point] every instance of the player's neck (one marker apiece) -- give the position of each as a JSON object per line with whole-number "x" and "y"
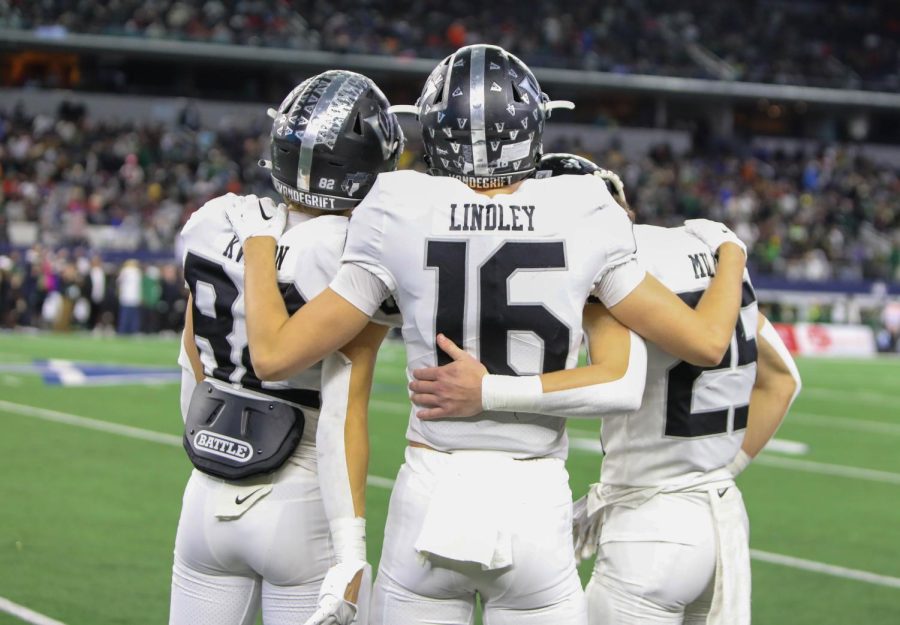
{"x": 510, "y": 188}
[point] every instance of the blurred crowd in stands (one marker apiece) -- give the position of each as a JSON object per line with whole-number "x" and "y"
{"x": 72, "y": 180}
{"x": 86, "y": 181}
{"x": 68, "y": 289}
{"x": 74, "y": 185}
{"x": 848, "y": 43}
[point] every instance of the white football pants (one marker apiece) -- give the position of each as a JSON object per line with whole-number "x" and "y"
{"x": 274, "y": 556}
{"x": 656, "y": 564}
{"x": 540, "y": 587}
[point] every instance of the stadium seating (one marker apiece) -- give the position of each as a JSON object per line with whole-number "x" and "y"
{"x": 845, "y": 44}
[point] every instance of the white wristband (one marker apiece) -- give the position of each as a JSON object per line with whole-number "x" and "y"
{"x": 349, "y": 538}
{"x": 526, "y": 393}
{"x": 740, "y": 462}
{"x": 511, "y": 393}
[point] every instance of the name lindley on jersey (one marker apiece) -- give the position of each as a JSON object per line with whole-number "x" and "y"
{"x": 229, "y": 253}
{"x": 489, "y": 217}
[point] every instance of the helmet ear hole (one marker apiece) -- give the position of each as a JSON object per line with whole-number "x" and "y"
{"x": 517, "y": 94}
{"x": 357, "y": 124}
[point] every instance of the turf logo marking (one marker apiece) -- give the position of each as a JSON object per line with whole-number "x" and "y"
{"x": 221, "y": 445}
{"x": 58, "y": 372}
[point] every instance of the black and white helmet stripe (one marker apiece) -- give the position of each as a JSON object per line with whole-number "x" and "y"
{"x": 476, "y": 113}
{"x": 482, "y": 115}
{"x": 319, "y": 118}
{"x": 331, "y": 136}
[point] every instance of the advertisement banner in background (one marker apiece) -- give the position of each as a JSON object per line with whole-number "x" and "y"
{"x": 820, "y": 339}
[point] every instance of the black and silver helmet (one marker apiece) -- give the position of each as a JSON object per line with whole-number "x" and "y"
{"x": 331, "y": 136}
{"x": 559, "y": 164}
{"x": 482, "y": 114}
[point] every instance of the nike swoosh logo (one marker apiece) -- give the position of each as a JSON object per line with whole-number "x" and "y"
{"x": 262, "y": 212}
{"x": 239, "y": 500}
{"x": 722, "y": 491}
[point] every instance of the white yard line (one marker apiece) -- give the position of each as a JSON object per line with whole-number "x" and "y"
{"x": 24, "y": 614}
{"x": 380, "y": 482}
{"x": 825, "y": 569}
{"x": 91, "y": 424}
{"x": 876, "y": 398}
{"x": 824, "y": 468}
{"x": 380, "y": 404}
{"x": 784, "y": 446}
{"x": 387, "y": 483}
{"x": 124, "y": 430}
{"x": 592, "y": 445}
{"x": 843, "y": 423}
{"x": 884, "y": 360}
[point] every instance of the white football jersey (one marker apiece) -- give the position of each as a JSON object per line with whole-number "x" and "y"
{"x": 692, "y": 419}
{"x": 307, "y": 258}
{"x": 505, "y": 277}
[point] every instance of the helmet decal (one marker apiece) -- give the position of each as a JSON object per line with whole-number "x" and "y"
{"x": 327, "y": 119}
{"x": 479, "y": 98}
{"x": 476, "y": 113}
{"x": 331, "y": 136}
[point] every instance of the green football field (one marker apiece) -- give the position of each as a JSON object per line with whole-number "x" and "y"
{"x": 92, "y": 479}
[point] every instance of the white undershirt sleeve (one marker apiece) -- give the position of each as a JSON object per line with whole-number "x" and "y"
{"x": 359, "y": 286}
{"x": 771, "y": 336}
{"x": 347, "y": 530}
{"x": 618, "y": 282}
{"x": 525, "y": 394}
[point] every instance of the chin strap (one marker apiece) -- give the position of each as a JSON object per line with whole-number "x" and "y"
{"x": 552, "y": 105}
{"x": 411, "y": 109}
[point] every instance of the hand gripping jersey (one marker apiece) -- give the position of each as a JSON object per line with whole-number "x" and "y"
{"x": 505, "y": 277}
{"x": 307, "y": 257}
{"x": 692, "y": 419}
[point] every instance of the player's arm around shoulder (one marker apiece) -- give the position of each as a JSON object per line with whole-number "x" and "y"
{"x": 281, "y": 345}
{"x": 613, "y": 383}
{"x": 699, "y": 336}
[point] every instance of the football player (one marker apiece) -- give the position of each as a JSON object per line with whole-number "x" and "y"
{"x": 484, "y": 255}
{"x": 256, "y": 529}
{"x": 667, "y": 521}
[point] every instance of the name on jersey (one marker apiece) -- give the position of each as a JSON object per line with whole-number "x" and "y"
{"x": 483, "y": 182}
{"x": 481, "y": 217}
{"x": 235, "y": 252}
{"x": 703, "y": 265}
{"x": 307, "y": 199}
{"x": 221, "y": 445}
